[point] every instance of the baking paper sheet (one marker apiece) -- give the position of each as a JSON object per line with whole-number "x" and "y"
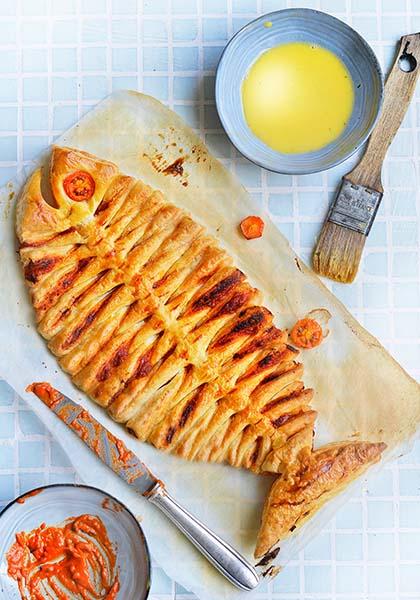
{"x": 360, "y": 391}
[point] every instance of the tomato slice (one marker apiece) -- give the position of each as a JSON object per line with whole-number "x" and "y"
{"x": 252, "y": 227}
{"x": 79, "y": 186}
{"x": 306, "y": 333}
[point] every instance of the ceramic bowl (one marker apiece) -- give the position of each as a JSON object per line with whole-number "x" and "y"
{"x": 54, "y": 504}
{"x": 298, "y": 25}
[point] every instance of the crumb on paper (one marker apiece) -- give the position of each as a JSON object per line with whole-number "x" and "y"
{"x": 175, "y": 168}
{"x": 271, "y": 572}
{"x": 169, "y": 166}
{"x": 8, "y": 204}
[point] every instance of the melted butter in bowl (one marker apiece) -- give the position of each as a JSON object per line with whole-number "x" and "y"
{"x": 297, "y": 97}
{"x": 298, "y": 91}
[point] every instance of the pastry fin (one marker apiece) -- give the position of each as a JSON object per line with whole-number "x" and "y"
{"x": 295, "y": 498}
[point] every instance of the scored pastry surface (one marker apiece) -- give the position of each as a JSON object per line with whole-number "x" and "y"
{"x": 152, "y": 319}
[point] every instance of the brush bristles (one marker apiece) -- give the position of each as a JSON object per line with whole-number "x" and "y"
{"x": 338, "y": 252}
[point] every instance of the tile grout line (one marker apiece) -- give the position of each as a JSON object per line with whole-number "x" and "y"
{"x": 229, "y": 16}
{"x": 79, "y": 96}
{"x": 139, "y": 37}
{"x": 395, "y": 467}
{"x": 170, "y": 46}
{"x": 16, "y": 446}
{"x": 416, "y": 143}
{"x": 19, "y": 53}
{"x": 201, "y": 91}
{"x": 109, "y": 46}
{"x": 49, "y": 71}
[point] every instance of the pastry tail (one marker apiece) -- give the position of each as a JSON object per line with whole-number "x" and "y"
{"x": 294, "y": 498}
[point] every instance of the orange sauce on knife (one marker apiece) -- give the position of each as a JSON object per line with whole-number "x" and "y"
{"x": 90, "y": 430}
{"x": 74, "y": 560}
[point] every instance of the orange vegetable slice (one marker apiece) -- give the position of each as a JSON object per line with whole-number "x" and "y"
{"x": 252, "y": 227}
{"x": 79, "y": 186}
{"x": 306, "y": 333}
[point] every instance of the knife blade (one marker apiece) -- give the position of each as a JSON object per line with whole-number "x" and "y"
{"x": 111, "y": 450}
{"x": 115, "y": 454}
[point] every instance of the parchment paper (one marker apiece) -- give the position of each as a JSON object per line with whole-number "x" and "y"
{"x": 360, "y": 391}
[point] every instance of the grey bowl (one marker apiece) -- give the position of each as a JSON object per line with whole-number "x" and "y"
{"x": 298, "y": 25}
{"x": 55, "y": 503}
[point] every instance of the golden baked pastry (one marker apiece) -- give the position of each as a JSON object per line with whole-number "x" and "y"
{"x": 294, "y": 499}
{"x": 153, "y": 321}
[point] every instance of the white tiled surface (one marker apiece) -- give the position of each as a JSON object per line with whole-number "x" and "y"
{"x": 57, "y": 59}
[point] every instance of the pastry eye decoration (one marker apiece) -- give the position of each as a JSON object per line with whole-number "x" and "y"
{"x": 79, "y": 186}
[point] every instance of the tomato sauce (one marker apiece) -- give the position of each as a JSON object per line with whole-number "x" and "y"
{"x": 22, "y": 499}
{"x": 74, "y": 560}
{"x": 50, "y": 396}
{"x": 109, "y": 504}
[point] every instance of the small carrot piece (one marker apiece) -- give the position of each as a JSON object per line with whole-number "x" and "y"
{"x": 306, "y": 333}
{"x": 252, "y": 227}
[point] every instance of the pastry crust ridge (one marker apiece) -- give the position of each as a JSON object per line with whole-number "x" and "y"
{"x": 151, "y": 319}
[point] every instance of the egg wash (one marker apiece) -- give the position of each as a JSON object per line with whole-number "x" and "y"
{"x": 297, "y": 97}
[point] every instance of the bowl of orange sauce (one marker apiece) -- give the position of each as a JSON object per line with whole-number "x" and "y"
{"x": 298, "y": 91}
{"x": 72, "y": 541}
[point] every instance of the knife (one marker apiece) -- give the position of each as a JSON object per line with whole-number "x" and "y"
{"x": 115, "y": 454}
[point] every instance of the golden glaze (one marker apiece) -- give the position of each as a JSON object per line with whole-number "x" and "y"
{"x": 153, "y": 321}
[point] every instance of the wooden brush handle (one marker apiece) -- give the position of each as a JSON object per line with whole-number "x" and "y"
{"x": 399, "y": 89}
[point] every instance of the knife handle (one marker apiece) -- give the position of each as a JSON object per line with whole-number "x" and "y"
{"x": 222, "y": 556}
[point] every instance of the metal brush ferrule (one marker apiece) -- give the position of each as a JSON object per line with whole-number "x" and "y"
{"x": 355, "y": 207}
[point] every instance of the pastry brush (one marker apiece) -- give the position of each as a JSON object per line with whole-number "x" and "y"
{"x": 341, "y": 241}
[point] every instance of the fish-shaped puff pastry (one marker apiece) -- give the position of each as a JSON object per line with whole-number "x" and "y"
{"x": 151, "y": 318}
